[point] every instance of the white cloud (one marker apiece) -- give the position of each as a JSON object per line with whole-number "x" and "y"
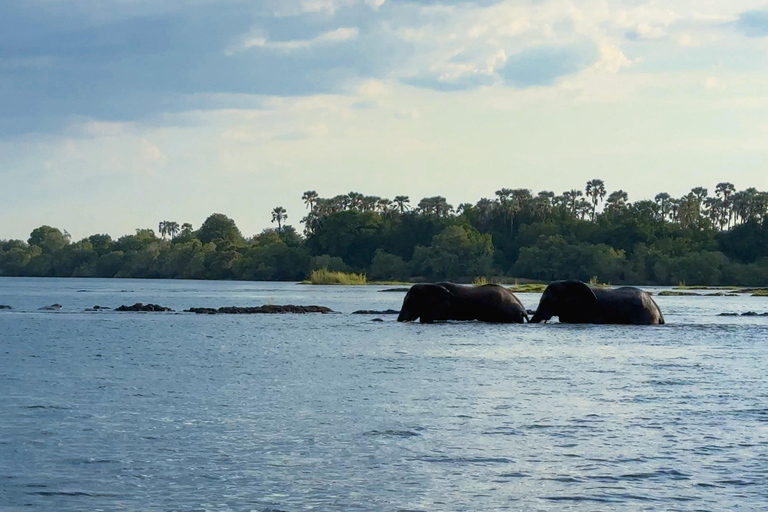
{"x": 339, "y": 35}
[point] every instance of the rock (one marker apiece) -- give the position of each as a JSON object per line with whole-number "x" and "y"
{"x": 728, "y": 314}
{"x": 267, "y": 309}
{"x": 395, "y": 290}
{"x": 750, "y": 313}
{"x": 52, "y": 307}
{"x": 3, "y": 306}
{"x": 377, "y": 320}
{"x": 98, "y": 308}
{"x": 530, "y": 312}
{"x": 747, "y": 313}
{"x": 143, "y": 307}
{"x": 373, "y": 312}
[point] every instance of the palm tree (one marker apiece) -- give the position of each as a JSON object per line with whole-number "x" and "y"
{"x": 662, "y": 199}
{"x": 355, "y": 200}
{"x": 595, "y": 190}
{"x": 310, "y": 197}
{"x": 542, "y": 204}
{"x": 162, "y": 227}
{"x": 616, "y": 202}
{"x": 384, "y": 206}
{"x": 279, "y": 215}
{"x": 464, "y": 208}
{"x": 402, "y": 203}
{"x": 724, "y": 191}
{"x": 571, "y": 200}
{"x": 172, "y": 228}
{"x": 369, "y": 203}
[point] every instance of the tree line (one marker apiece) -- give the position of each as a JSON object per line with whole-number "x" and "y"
{"x": 698, "y": 238}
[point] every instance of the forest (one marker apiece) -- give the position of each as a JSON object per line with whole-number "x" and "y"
{"x": 697, "y": 239}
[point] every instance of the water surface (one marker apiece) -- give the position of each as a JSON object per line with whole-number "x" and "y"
{"x": 175, "y": 411}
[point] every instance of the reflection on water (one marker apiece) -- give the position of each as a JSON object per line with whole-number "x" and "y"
{"x": 163, "y": 411}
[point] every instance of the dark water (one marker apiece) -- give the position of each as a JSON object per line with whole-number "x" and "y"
{"x": 132, "y": 411}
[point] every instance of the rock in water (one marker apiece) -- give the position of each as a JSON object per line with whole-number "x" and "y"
{"x": 3, "y": 306}
{"x": 373, "y": 312}
{"x": 52, "y": 307}
{"x": 143, "y": 307}
{"x": 267, "y": 309}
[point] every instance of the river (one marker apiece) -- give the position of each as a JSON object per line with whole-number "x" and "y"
{"x": 177, "y": 411}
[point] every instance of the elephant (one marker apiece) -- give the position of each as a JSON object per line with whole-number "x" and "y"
{"x": 575, "y": 302}
{"x": 448, "y": 301}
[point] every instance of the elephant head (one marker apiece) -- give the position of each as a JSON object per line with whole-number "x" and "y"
{"x": 571, "y": 301}
{"x": 426, "y": 301}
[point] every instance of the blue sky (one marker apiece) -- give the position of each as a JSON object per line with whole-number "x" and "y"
{"x": 119, "y": 114}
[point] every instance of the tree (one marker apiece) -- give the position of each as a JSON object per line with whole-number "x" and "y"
{"x": 724, "y": 191}
{"x": 596, "y": 191}
{"x": 219, "y": 227}
{"x": 279, "y": 215}
{"x": 310, "y": 197}
{"x": 662, "y": 199}
{"x": 49, "y": 239}
{"x": 173, "y": 229}
{"x": 402, "y": 203}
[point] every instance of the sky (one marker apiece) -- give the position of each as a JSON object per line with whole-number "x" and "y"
{"x": 118, "y": 114}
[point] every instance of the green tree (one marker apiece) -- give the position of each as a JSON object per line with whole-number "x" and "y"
{"x": 219, "y": 227}
{"x": 49, "y": 239}
{"x": 279, "y": 215}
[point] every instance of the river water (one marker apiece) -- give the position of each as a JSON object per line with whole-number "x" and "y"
{"x": 176, "y": 411}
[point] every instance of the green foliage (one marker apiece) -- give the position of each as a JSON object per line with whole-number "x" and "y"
{"x": 218, "y": 227}
{"x": 48, "y": 239}
{"x": 386, "y": 266}
{"x": 459, "y": 251}
{"x": 325, "y": 276}
{"x": 699, "y": 239}
{"x": 328, "y": 262}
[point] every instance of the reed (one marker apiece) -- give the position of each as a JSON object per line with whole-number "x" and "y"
{"x": 325, "y": 276}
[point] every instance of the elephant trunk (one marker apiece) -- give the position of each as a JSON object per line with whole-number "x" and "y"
{"x": 406, "y": 315}
{"x": 541, "y": 315}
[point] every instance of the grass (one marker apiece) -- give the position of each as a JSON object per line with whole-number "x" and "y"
{"x": 672, "y": 293}
{"x": 528, "y": 288}
{"x": 480, "y": 281}
{"x": 683, "y": 286}
{"x": 325, "y": 276}
{"x": 760, "y": 293}
{"x": 593, "y": 281}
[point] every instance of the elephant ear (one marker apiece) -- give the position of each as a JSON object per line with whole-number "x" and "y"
{"x": 579, "y": 299}
{"x": 438, "y": 301}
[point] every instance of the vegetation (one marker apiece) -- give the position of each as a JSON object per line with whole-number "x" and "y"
{"x": 698, "y": 239}
{"x": 528, "y": 288}
{"x": 325, "y": 276}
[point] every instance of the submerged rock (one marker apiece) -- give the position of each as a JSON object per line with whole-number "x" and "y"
{"x": 3, "y": 306}
{"x": 143, "y": 307}
{"x": 267, "y": 309}
{"x": 98, "y": 308}
{"x": 395, "y": 290}
{"x": 52, "y": 307}
{"x": 748, "y": 313}
{"x": 373, "y": 312}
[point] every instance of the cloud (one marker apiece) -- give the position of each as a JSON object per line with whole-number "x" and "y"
{"x": 67, "y": 60}
{"x": 339, "y": 35}
{"x": 543, "y": 66}
{"x": 753, "y": 23}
